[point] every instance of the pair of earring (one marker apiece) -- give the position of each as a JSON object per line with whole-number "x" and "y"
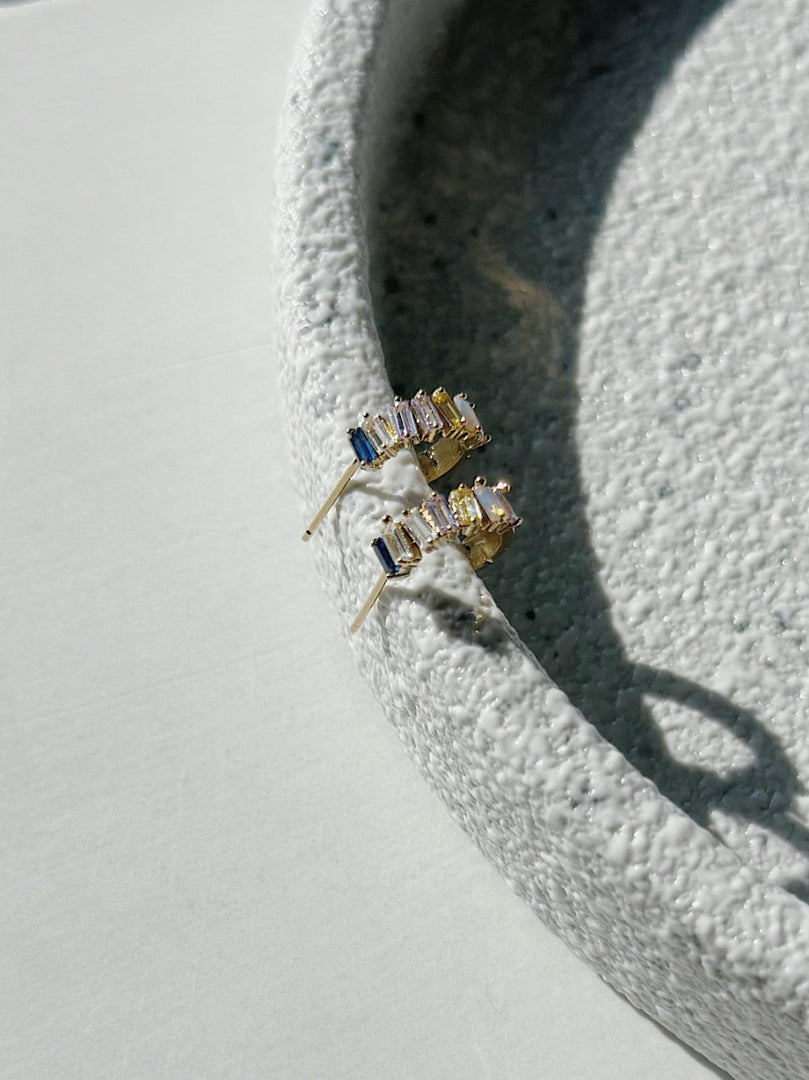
{"x": 441, "y": 430}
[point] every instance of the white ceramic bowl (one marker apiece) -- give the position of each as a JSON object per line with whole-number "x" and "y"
{"x": 695, "y": 931}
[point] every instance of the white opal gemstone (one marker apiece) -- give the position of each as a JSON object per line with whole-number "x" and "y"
{"x": 496, "y": 506}
{"x": 470, "y": 420}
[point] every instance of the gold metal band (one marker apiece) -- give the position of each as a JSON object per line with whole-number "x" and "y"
{"x": 485, "y": 547}
{"x": 439, "y": 457}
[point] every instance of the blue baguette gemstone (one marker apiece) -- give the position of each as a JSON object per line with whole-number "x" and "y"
{"x": 389, "y": 564}
{"x": 361, "y": 445}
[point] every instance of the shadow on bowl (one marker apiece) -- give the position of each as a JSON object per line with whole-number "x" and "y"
{"x": 480, "y": 258}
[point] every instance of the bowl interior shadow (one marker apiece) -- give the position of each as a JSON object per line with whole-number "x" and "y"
{"x": 480, "y": 246}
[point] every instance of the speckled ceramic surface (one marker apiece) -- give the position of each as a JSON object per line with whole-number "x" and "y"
{"x": 593, "y": 220}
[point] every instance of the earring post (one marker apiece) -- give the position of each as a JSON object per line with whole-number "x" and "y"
{"x": 369, "y": 603}
{"x": 331, "y": 499}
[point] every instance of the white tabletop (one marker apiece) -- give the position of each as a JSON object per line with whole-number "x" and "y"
{"x": 218, "y": 861}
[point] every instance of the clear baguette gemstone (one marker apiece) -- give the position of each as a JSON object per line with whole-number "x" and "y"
{"x": 436, "y": 509}
{"x": 420, "y": 529}
{"x": 401, "y": 543}
{"x": 405, "y": 421}
{"x": 388, "y": 420}
{"x": 427, "y": 416}
{"x": 373, "y": 437}
{"x": 381, "y": 433}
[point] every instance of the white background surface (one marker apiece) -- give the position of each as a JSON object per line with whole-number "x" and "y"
{"x": 218, "y": 861}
